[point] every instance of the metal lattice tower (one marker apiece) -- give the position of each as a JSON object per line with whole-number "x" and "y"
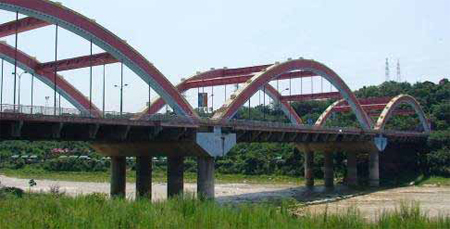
{"x": 399, "y": 75}
{"x": 388, "y": 77}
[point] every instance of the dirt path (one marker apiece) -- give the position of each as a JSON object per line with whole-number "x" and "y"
{"x": 433, "y": 200}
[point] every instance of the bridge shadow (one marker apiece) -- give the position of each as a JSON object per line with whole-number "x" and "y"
{"x": 302, "y": 194}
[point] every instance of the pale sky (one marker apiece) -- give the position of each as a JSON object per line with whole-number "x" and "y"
{"x": 182, "y": 37}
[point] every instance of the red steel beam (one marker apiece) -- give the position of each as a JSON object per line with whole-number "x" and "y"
{"x": 366, "y": 107}
{"x": 23, "y": 25}
{"x": 369, "y": 104}
{"x": 78, "y": 62}
{"x": 306, "y": 97}
{"x": 397, "y": 112}
{"x": 225, "y": 79}
{"x": 369, "y": 101}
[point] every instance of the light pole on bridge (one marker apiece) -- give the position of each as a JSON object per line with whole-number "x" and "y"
{"x": 121, "y": 86}
{"x": 18, "y": 96}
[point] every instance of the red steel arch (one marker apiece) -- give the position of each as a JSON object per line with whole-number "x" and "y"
{"x": 55, "y": 13}
{"x": 215, "y": 73}
{"x": 229, "y": 109}
{"x": 326, "y": 114}
{"x": 393, "y": 105}
{"x": 67, "y": 91}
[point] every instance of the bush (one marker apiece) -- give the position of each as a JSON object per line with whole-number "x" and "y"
{"x": 439, "y": 162}
{"x": 4, "y": 191}
{"x": 75, "y": 165}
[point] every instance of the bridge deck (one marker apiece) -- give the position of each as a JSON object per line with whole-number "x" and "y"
{"x": 173, "y": 128}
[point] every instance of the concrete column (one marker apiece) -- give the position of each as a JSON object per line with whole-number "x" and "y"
{"x": 175, "y": 182}
{"x": 309, "y": 165}
{"x": 328, "y": 171}
{"x": 144, "y": 177}
{"x": 352, "y": 171}
{"x": 374, "y": 170}
{"x": 205, "y": 177}
{"x": 118, "y": 176}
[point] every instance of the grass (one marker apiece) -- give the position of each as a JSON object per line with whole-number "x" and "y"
{"x": 432, "y": 180}
{"x": 97, "y": 211}
{"x": 158, "y": 176}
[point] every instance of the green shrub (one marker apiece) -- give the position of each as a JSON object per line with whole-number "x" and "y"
{"x": 438, "y": 162}
{"x": 75, "y": 165}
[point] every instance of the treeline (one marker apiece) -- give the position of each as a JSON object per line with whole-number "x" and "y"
{"x": 285, "y": 159}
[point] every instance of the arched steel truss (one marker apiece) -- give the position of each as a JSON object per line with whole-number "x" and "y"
{"x": 229, "y": 109}
{"x": 159, "y": 103}
{"x": 55, "y": 13}
{"x": 394, "y": 104}
{"x": 43, "y": 13}
{"x": 67, "y": 91}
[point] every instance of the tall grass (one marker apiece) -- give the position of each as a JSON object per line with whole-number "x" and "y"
{"x": 97, "y": 211}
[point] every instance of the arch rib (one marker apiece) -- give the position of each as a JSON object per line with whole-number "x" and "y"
{"x": 229, "y": 109}
{"x": 326, "y": 114}
{"x": 67, "y": 91}
{"x": 57, "y": 14}
{"x": 159, "y": 103}
{"x": 388, "y": 112}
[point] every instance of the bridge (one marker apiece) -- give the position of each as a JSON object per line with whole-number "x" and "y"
{"x": 189, "y": 131}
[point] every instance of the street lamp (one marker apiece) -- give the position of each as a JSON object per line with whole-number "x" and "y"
{"x": 121, "y": 86}
{"x": 20, "y": 76}
{"x": 46, "y": 104}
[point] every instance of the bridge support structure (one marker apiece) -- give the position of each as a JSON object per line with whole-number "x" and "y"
{"x": 205, "y": 177}
{"x": 328, "y": 171}
{"x": 144, "y": 177}
{"x": 374, "y": 169}
{"x": 309, "y": 166}
{"x": 118, "y": 176}
{"x": 352, "y": 170}
{"x": 175, "y": 176}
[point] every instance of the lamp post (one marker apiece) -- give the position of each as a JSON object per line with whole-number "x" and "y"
{"x": 32, "y": 92}
{"x": 18, "y": 98}
{"x": 46, "y": 104}
{"x": 121, "y": 86}
{"x": 278, "y": 103}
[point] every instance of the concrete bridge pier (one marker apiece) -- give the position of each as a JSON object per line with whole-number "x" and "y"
{"x": 328, "y": 171}
{"x": 118, "y": 176}
{"x": 144, "y": 177}
{"x": 352, "y": 171}
{"x": 374, "y": 170}
{"x": 309, "y": 165}
{"x": 175, "y": 173}
{"x": 205, "y": 177}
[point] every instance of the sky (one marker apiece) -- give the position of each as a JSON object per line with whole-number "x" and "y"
{"x": 182, "y": 37}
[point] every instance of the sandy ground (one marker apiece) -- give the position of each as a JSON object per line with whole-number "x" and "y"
{"x": 233, "y": 193}
{"x": 434, "y": 201}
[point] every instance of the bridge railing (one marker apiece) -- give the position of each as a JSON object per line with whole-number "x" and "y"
{"x": 39, "y": 110}
{"x": 171, "y": 118}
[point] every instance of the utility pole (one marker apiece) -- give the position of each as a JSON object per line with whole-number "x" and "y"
{"x": 388, "y": 77}
{"x": 399, "y": 74}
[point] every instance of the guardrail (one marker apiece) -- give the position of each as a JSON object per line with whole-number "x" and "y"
{"x": 172, "y": 118}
